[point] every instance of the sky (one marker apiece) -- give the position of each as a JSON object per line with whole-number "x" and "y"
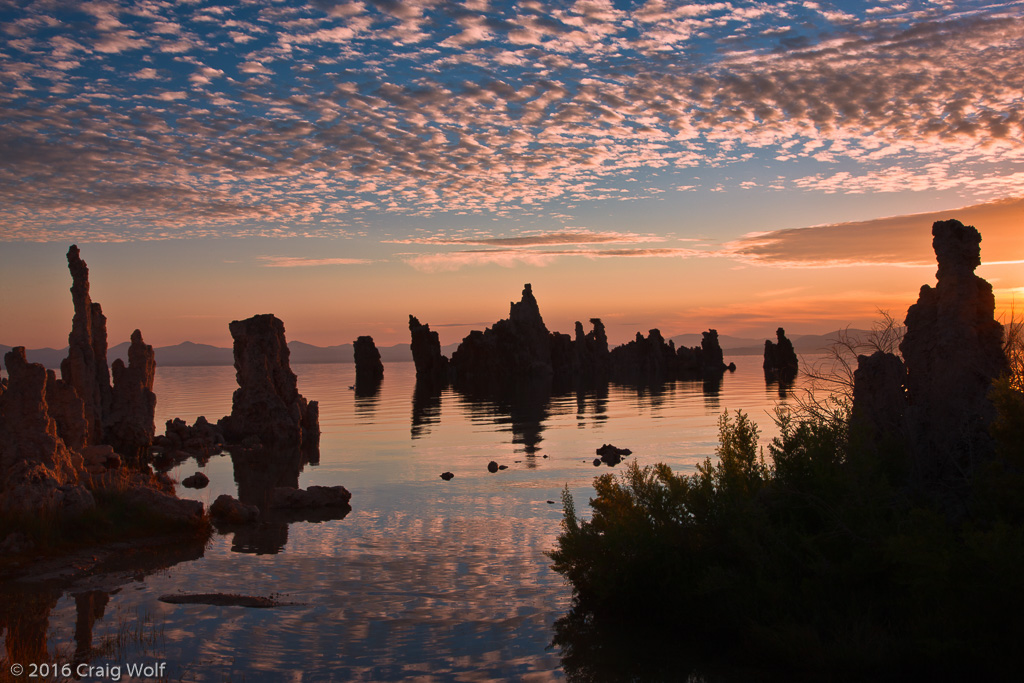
{"x": 342, "y": 164}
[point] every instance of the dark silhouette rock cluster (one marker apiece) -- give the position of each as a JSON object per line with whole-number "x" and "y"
{"x": 652, "y": 360}
{"x": 520, "y": 353}
{"x": 612, "y": 455}
{"x": 780, "y": 361}
{"x": 38, "y": 470}
{"x": 199, "y": 440}
{"x": 62, "y": 438}
{"x": 514, "y": 350}
{"x": 952, "y": 351}
{"x": 267, "y": 405}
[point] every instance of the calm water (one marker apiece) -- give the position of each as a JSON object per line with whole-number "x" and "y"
{"x": 424, "y": 578}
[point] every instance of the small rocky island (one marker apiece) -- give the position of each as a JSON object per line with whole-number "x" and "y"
{"x": 520, "y": 352}
{"x": 780, "y": 361}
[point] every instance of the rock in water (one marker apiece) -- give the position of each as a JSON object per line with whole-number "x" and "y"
{"x": 780, "y": 361}
{"x": 267, "y": 403}
{"x": 196, "y": 481}
{"x": 431, "y": 365}
{"x": 130, "y": 426}
{"x": 369, "y": 368}
{"x": 712, "y": 356}
{"x": 952, "y": 350}
{"x": 227, "y": 510}
{"x": 591, "y": 356}
{"x": 85, "y": 368}
{"x": 312, "y": 497}
{"x": 645, "y": 359}
{"x": 513, "y": 352}
{"x": 612, "y": 455}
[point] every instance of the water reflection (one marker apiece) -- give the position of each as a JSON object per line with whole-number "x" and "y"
{"x": 257, "y": 473}
{"x": 419, "y": 580}
{"x": 593, "y": 402}
{"x": 527, "y": 409}
{"x": 367, "y": 395}
{"x": 782, "y": 386}
{"x": 89, "y": 607}
{"x": 426, "y": 408}
{"x": 26, "y": 604}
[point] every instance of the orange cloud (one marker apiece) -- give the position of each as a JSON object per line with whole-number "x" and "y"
{"x": 894, "y": 241}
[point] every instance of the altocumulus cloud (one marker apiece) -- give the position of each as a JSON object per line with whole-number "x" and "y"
{"x": 158, "y": 119}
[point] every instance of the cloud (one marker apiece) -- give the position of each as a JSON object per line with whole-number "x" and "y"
{"x": 305, "y": 262}
{"x": 895, "y": 241}
{"x": 314, "y": 114}
{"x": 508, "y": 258}
{"x": 569, "y": 237}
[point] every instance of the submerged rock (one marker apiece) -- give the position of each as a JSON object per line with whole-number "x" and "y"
{"x": 224, "y": 600}
{"x": 228, "y": 510}
{"x": 267, "y": 404}
{"x": 612, "y": 456}
{"x": 196, "y": 481}
{"x": 312, "y": 497}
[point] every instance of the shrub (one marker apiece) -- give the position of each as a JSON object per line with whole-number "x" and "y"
{"x": 820, "y": 561}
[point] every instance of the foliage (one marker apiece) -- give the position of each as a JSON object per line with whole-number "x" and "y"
{"x": 1013, "y": 345}
{"x": 820, "y": 561}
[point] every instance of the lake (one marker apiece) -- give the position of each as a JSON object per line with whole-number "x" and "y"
{"x": 424, "y": 579}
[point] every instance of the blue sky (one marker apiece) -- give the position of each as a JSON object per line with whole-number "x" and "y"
{"x": 441, "y": 136}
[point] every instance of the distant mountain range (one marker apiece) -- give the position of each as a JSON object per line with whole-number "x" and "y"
{"x": 188, "y": 353}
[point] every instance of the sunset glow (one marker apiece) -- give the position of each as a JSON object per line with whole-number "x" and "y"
{"x": 342, "y": 164}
